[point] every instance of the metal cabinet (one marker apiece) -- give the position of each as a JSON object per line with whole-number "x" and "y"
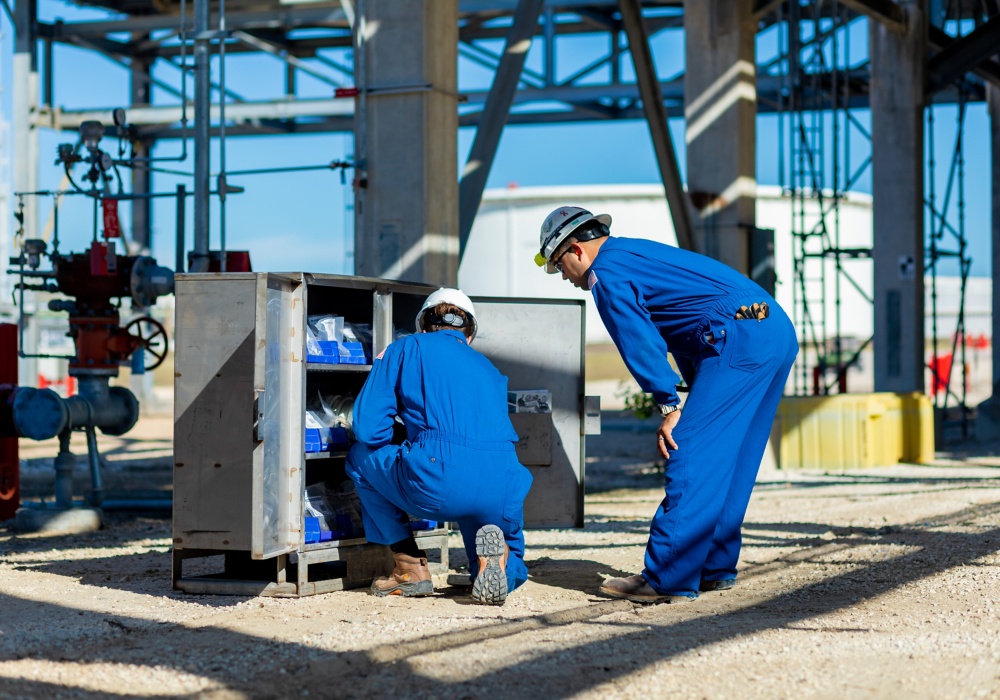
{"x": 241, "y": 383}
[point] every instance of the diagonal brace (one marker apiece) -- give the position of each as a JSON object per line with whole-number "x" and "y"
{"x": 656, "y": 115}
{"x": 964, "y": 54}
{"x": 495, "y": 114}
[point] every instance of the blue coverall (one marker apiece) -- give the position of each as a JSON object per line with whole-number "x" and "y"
{"x": 655, "y": 298}
{"x": 458, "y": 462}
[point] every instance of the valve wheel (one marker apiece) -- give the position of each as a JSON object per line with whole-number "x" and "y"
{"x": 153, "y": 339}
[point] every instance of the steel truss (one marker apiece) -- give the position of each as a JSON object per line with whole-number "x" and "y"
{"x": 947, "y": 238}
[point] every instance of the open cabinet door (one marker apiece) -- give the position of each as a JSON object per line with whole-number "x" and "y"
{"x": 539, "y": 345}
{"x": 276, "y": 526}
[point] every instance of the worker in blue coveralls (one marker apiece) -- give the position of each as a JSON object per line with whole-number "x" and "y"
{"x": 457, "y": 463}
{"x": 734, "y": 347}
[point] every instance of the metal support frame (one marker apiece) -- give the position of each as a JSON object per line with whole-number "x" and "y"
{"x": 656, "y": 118}
{"x": 818, "y": 128}
{"x": 494, "y": 116}
{"x": 964, "y": 54}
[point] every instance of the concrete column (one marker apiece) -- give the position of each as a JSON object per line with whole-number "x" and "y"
{"x": 988, "y": 421}
{"x": 720, "y": 94}
{"x": 406, "y": 202}
{"x": 897, "y": 105}
{"x": 141, "y": 233}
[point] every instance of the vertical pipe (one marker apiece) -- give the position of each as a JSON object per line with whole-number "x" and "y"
{"x": 94, "y": 460}
{"x": 202, "y": 134}
{"x": 181, "y": 215}
{"x": 223, "y": 186}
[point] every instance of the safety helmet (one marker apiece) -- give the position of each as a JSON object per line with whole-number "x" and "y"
{"x": 557, "y": 227}
{"x": 455, "y": 297}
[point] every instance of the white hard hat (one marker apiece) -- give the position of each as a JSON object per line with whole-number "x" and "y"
{"x": 555, "y": 229}
{"x": 455, "y": 297}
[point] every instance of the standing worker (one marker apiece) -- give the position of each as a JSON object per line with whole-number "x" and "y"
{"x": 734, "y": 347}
{"x": 457, "y": 463}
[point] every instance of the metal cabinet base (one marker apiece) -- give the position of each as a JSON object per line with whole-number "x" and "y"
{"x": 323, "y": 567}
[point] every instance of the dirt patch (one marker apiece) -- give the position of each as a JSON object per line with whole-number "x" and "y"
{"x": 878, "y": 583}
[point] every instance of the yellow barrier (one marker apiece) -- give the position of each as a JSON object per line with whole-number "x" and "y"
{"x": 855, "y": 431}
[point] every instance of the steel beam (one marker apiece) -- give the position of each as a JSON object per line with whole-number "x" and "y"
{"x": 938, "y": 40}
{"x": 885, "y": 11}
{"x": 656, "y": 117}
{"x": 494, "y": 116}
{"x": 963, "y": 54}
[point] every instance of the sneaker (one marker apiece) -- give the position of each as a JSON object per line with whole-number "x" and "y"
{"x": 410, "y": 577}
{"x": 721, "y": 585}
{"x": 636, "y": 589}
{"x": 490, "y": 586}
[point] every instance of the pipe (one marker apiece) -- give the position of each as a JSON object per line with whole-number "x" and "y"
{"x": 64, "y": 464}
{"x": 202, "y": 134}
{"x": 94, "y": 459}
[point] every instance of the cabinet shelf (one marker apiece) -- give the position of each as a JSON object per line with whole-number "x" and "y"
{"x": 325, "y": 455}
{"x": 323, "y": 367}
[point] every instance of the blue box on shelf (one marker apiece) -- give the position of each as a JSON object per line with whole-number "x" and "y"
{"x": 317, "y": 439}
{"x": 417, "y": 525}
{"x": 312, "y": 532}
{"x": 352, "y": 354}
{"x": 329, "y": 353}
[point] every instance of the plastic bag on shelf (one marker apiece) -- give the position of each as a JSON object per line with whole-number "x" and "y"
{"x": 359, "y": 333}
{"x": 317, "y": 506}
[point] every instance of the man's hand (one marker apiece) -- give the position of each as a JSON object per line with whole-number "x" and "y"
{"x": 664, "y": 435}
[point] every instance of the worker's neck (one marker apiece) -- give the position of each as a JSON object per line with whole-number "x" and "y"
{"x": 593, "y": 246}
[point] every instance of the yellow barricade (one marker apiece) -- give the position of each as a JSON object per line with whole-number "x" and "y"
{"x": 855, "y": 431}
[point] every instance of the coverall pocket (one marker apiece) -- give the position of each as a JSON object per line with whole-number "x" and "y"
{"x": 747, "y": 352}
{"x": 424, "y": 479}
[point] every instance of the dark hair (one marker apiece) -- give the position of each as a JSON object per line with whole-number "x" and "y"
{"x": 586, "y": 232}
{"x": 446, "y": 317}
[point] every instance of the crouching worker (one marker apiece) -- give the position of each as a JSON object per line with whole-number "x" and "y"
{"x": 457, "y": 462}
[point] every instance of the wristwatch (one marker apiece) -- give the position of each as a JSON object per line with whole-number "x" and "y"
{"x": 666, "y": 410}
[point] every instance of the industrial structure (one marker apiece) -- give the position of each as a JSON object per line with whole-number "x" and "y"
{"x": 392, "y": 71}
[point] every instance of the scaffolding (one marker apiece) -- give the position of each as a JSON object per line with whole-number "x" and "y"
{"x": 947, "y": 239}
{"x": 818, "y": 129}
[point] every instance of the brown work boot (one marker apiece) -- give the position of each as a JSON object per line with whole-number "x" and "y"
{"x": 490, "y": 586}
{"x": 636, "y": 589}
{"x": 410, "y": 577}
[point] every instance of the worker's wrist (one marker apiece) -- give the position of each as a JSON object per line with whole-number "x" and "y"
{"x": 666, "y": 409}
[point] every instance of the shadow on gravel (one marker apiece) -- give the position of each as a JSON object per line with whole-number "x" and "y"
{"x": 647, "y": 636}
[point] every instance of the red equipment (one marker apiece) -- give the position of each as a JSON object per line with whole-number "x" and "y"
{"x": 10, "y": 476}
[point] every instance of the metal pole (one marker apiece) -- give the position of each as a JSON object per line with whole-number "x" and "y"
{"x": 223, "y": 186}
{"x": 181, "y": 215}
{"x": 202, "y": 134}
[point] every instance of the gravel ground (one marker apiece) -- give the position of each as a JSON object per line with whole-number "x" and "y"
{"x": 880, "y": 583}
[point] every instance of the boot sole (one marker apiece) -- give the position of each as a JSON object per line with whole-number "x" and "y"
{"x": 720, "y": 585}
{"x": 647, "y": 599}
{"x": 407, "y": 590}
{"x": 490, "y": 586}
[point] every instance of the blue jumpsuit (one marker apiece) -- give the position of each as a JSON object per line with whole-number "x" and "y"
{"x": 655, "y": 298}
{"x": 458, "y": 462}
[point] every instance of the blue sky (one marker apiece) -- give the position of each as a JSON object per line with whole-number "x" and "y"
{"x": 299, "y": 220}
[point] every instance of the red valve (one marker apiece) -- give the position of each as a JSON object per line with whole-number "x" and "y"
{"x": 345, "y": 92}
